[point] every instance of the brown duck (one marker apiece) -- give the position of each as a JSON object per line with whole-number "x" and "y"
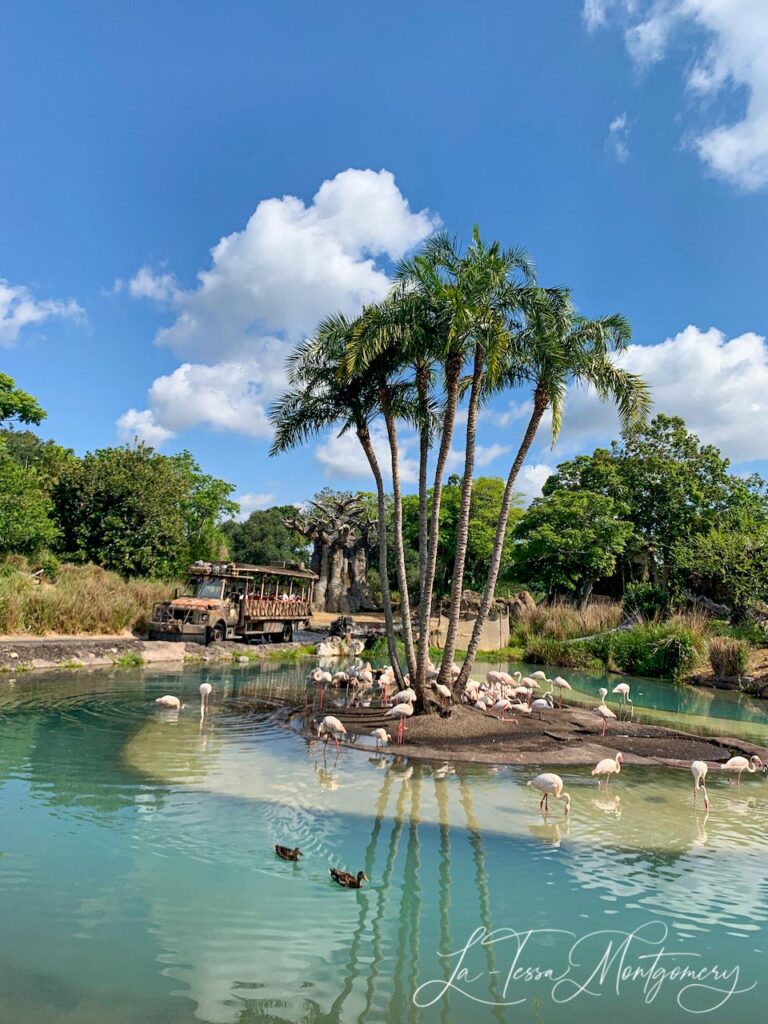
{"x": 286, "y": 853}
{"x": 347, "y": 881}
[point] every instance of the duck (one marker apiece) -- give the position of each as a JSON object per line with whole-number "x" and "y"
{"x": 286, "y": 853}
{"x": 347, "y": 881}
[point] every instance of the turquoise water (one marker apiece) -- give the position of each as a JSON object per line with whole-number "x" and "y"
{"x": 138, "y": 881}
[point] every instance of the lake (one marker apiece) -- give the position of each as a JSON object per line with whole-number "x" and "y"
{"x": 138, "y": 881}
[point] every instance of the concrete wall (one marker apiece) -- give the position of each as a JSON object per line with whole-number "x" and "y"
{"x": 495, "y": 633}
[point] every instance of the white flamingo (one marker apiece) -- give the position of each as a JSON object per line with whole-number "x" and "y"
{"x": 382, "y": 737}
{"x": 205, "y": 693}
{"x": 561, "y": 684}
{"x": 623, "y": 690}
{"x": 741, "y": 764}
{"x": 500, "y": 707}
{"x": 406, "y": 695}
{"x": 169, "y": 701}
{"x": 608, "y": 766}
{"x": 699, "y": 771}
{"x": 605, "y": 713}
{"x": 550, "y": 785}
{"x": 400, "y": 712}
{"x": 602, "y": 694}
{"x": 331, "y": 726}
{"x": 545, "y": 703}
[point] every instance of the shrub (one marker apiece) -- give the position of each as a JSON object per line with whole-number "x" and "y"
{"x": 646, "y": 600}
{"x": 653, "y": 649}
{"x": 728, "y": 656}
{"x": 548, "y": 651}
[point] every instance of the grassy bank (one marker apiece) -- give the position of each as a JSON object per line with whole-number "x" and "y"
{"x": 74, "y": 599}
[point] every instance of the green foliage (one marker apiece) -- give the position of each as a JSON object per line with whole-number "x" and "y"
{"x": 263, "y": 538}
{"x": 653, "y": 649}
{"x": 25, "y": 510}
{"x": 729, "y": 563}
{"x": 728, "y": 656}
{"x": 129, "y": 659}
{"x": 567, "y": 540}
{"x": 85, "y": 599}
{"x": 16, "y": 404}
{"x": 139, "y": 513}
{"x": 548, "y": 651}
{"x": 644, "y": 599}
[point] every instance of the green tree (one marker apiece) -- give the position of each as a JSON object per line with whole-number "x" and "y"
{"x": 32, "y": 452}
{"x": 139, "y": 513}
{"x": 26, "y": 526}
{"x": 567, "y": 541}
{"x": 263, "y": 538}
{"x": 16, "y": 404}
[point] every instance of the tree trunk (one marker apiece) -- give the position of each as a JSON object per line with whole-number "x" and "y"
{"x": 453, "y": 372}
{"x": 397, "y": 525}
{"x": 364, "y": 437}
{"x": 422, "y": 389}
{"x": 539, "y": 407}
{"x": 462, "y": 526}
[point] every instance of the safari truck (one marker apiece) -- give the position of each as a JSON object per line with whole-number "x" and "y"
{"x": 233, "y": 601}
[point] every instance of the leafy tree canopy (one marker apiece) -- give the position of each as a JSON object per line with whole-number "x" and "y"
{"x": 26, "y": 526}
{"x": 263, "y": 538}
{"x": 17, "y": 405}
{"x": 140, "y": 513}
{"x": 567, "y": 540}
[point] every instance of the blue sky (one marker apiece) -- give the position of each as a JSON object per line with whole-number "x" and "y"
{"x": 624, "y": 144}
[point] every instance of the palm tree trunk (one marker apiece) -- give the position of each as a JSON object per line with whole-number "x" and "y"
{"x": 462, "y": 526}
{"x": 364, "y": 437}
{"x": 397, "y": 523}
{"x": 539, "y": 407}
{"x": 453, "y": 372}
{"x": 422, "y": 390}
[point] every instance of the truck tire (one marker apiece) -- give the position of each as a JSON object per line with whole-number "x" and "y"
{"x": 217, "y": 633}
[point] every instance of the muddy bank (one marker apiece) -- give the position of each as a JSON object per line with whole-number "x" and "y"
{"x": 78, "y": 652}
{"x": 568, "y": 736}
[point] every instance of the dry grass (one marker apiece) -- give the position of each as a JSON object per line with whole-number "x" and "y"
{"x": 728, "y": 656}
{"x": 84, "y": 599}
{"x": 563, "y": 621}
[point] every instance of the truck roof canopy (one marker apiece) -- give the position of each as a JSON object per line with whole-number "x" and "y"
{"x": 241, "y": 569}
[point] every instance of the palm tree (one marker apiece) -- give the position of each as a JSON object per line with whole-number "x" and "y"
{"x": 553, "y": 348}
{"x": 321, "y": 395}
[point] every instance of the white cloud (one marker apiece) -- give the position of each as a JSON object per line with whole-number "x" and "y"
{"x": 718, "y": 385}
{"x": 343, "y": 458}
{"x": 267, "y": 287}
{"x": 514, "y": 411}
{"x": 484, "y": 456}
{"x": 140, "y": 425}
{"x": 250, "y": 502}
{"x": 532, "y": 479}
{"x": 735, "y": 58}
{"x": 20, "y": 309}
{"x": 618, "y": 138}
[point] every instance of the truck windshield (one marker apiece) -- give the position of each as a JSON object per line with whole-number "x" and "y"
{"x": 206, "y": 588}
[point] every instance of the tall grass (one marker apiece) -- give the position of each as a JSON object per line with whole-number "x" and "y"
{"x": 728, "y": 656}
{"x": 84, "y": 599}
{"x": 563, "y": 621}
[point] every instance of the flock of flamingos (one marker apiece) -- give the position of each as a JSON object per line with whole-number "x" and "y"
{"x": 500, "y": 694}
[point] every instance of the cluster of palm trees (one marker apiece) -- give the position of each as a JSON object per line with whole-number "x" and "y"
{"x": 458, "y": 327}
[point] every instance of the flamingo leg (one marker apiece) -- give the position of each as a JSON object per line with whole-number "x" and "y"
{"x": 322, "y": 697}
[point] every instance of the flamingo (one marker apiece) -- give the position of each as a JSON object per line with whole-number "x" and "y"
{"x": 561, "y": 684}
{"x": 602, "y": 694}
{"x": 699, "y": 771}
{"x": 331, "y": 726}
{"x": 544, "y": 703}
{"x": 400, "y": 712}
{"x": 501, "y": 706}
{"x": 406, "y": 695}
{"x": 604, "y": 712}
{"x": 382, "y": 736}
{"x": 205, "y": 692}
{"x": 741, "y": 764}
{"x": 169, "y": 701}
{"x": 550, "y": 785}
{"x": 623, "y": 690}
{"x": 608, "y": 766}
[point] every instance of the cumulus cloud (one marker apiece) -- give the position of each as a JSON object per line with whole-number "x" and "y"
{"x": 618, "y": 138}
{"x": 267, "y": 287}
{"x": 250, "y": 502}
{"x": 531, "y": 480}
{"x": 735, "y": 57}
{"x": 718, "y": 385}
{"x": 484, "y": 456}
{"x": 20, "y": 309}
{"x": 140, "y": 425}
{"x": 343, "y": 458}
